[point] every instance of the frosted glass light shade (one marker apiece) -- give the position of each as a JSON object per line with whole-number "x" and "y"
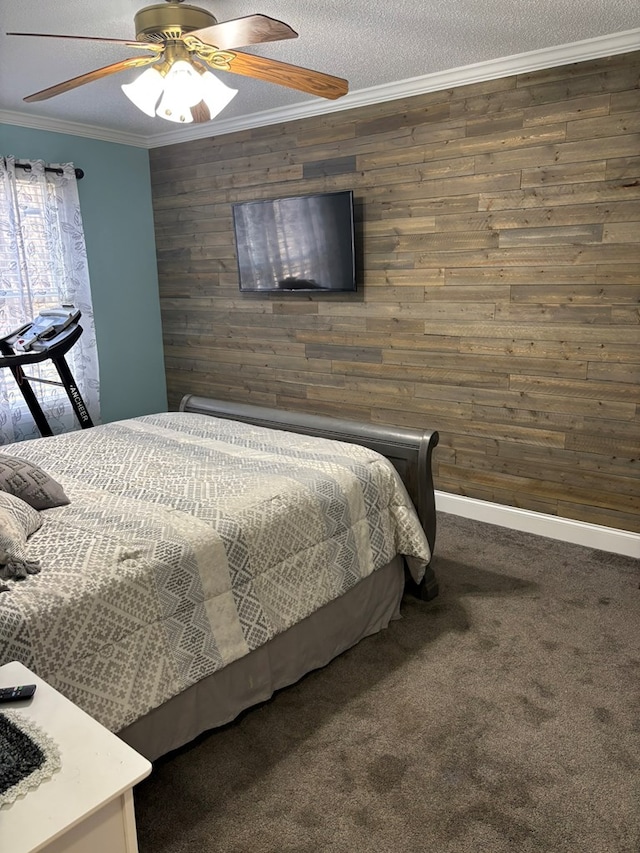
{"x": 145, "y": 91}
{"x": 182, "y": 90}
{"x": 173, "y": 95}
{"x": 182, "y": 84}
{"x": 215, "y": 94}
{"x": 174, "y": 110}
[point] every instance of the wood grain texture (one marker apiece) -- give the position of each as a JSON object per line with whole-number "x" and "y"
{"x": 498, "y": 229}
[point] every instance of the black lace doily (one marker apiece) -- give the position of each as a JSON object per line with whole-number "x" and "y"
{"x": 27, "y": 756}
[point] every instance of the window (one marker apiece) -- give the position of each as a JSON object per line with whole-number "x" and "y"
{"x": 43, "y": 264}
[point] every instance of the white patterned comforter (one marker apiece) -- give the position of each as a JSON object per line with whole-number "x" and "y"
{"x": 189, "y": 541}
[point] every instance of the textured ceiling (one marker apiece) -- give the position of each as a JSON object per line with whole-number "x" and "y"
{"x": 371, "y": 43}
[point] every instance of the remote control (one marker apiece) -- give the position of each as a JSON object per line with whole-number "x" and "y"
{"x": 14, "y": 694}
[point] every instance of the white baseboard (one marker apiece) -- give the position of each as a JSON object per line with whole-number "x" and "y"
{"x": 565, "y": 529}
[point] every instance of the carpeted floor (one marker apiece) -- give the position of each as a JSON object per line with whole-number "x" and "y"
{"x": 503, "y": 717}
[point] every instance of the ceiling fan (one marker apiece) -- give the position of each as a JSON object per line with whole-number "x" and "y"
{"x": 184, "y": 43}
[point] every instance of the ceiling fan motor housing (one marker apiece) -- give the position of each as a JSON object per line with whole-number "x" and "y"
{"x": 170, "y": 21}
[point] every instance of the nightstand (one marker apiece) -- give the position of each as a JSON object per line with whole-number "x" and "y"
{"x": 87, "y": 805}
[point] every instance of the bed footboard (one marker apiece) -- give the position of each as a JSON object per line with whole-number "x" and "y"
{"x": 409, "y": 450}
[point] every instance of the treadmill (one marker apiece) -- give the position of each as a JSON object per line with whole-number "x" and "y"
{"x": 48, "y": 337}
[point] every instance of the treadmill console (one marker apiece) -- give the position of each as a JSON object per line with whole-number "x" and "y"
{"x": 37, "y": 335}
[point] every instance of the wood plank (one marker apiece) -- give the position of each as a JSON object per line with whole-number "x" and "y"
{"x": 526, "y": 417}
{"x": 334, "y": 351}
{"x": 598, "y": 71}
{"x": 601, "y": 392}
{"x": 622, "y": 232}
{"x": 528, "y": 255}
{"x": 510, "y": 121}
{"x": 578, "y": 214}
{"x": 623, "y": 315}
{"x": 538, "y": 401}
{"x": 617, "y": 274}
{"x": 399, "y": 225}
{"x": 409, "y": 277}
{"x": 628, "y": 521}
{"x": 335, "y": 166}
{"x": 603, "y": 444}
{"x": 578, "y": 82}
{"x": 614, "y": 125}
{"x": 394, "y": 399}
{"x": 583, "y": 294}
{"x": 558, "y": 235}
{"x": 526, "y": 275}
{"x": 567, "y": 173}
{"x": 625, "y": 101}
{"x": 590, "y": 193}
{"x": 337, "y": 131}
{"x": 405, "y": 118}
{"x": 395, "y": 293}
{"x": 567, "y": 350}
{"x": 623, "y": 168}
{"x": 581, "y": 314}
{"x": 537, "y": 332}
{"x": 426, "y": 375}
{"x": 489, "y": 363}
{"x": 562, "y": 460}
{"x": 567, "y": 153}
{"x": 453, "y": 241}
{"x": 590, "y": 106}
{"x": 628, "y": 372}
{"x": 411, "y": 173}
{"x": 422, "y": 206}
{"x": 462, "y": 293}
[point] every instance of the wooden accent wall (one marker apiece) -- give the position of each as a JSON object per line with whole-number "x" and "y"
{"x": 499, "y": 283}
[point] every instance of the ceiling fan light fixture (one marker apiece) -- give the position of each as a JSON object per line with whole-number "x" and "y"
{"x": 184, "y": 41}
{"x": 145, "y": 90}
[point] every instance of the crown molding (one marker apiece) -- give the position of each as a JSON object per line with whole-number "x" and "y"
{"x": 73, "y": 128}
{"x": 522, "y": 63}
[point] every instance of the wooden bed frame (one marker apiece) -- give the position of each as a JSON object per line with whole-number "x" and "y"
{"x": 312, "y": 643}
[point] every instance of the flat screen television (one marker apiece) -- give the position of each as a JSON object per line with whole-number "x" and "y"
{"x": 296, "y": 244}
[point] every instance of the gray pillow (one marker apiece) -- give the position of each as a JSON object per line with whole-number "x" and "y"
{"x": 18, "y": 521}
{"x": 29, "y": 482}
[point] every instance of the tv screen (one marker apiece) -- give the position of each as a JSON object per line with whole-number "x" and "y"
{"x": 298, "y": 243}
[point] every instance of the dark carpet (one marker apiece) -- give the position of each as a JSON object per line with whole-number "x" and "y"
{"x": 502, "y": 717}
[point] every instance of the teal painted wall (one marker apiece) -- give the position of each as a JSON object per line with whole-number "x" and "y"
{"x": 115, "y": 199}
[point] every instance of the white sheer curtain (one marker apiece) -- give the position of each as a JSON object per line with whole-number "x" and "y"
{"x": 43, "y": 263}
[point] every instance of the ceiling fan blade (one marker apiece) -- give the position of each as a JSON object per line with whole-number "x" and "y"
{"x": 89, "y": 77}
{"x": 130, "y": 43}
{"x": 253, "y": 29}
{"x": 274, "y": 71}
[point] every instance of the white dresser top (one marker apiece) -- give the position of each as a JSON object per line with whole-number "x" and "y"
{"x": 96, "y": 767}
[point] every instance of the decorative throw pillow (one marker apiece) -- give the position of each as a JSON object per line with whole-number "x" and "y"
{"x": 29, "y": 482}
{"x": 18, "y": 521}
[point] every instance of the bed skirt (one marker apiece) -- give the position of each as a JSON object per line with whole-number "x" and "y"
{"x": 366, "y": 609}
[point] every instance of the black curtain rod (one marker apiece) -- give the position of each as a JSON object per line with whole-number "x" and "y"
{"x": 27, "y": 168}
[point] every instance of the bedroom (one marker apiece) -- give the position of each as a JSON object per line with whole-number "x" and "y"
{"x": 532, "y": 376}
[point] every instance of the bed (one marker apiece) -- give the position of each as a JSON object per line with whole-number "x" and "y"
{"x": 200, "y": 560}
